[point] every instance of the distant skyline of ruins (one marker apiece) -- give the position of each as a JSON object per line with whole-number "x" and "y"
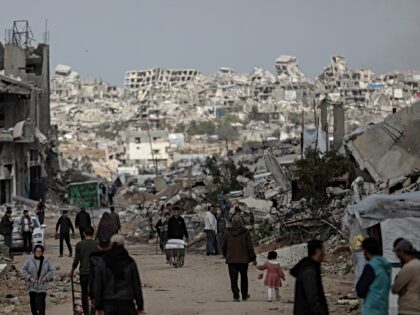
{"x": 106, "y": 39}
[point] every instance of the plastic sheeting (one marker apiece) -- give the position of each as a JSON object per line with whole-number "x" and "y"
{"x": 391, "y": 230}
{"x": 398, "y": 216}
{"x": 313, "y": 138}
{"x": 377, "y": 208}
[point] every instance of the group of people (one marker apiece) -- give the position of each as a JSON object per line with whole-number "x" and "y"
{"x": 109, "y": 278}
{"x": 171, "y": 226}
{"x": 374, "y": 285}
{"x": 108, "y": 225}
{"x": 110, "y": 281}
{"x": 26, "y": 226}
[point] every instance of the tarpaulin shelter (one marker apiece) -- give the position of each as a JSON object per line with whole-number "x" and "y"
{"x": 397, "y": 216}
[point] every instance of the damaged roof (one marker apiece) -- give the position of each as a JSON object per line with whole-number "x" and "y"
{"x": 390, "y": 149}
{"x": 12, "y": 86}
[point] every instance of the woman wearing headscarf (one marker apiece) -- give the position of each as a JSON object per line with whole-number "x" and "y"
{"x": 37, "y": 271}
{"x": 105, "y": 228}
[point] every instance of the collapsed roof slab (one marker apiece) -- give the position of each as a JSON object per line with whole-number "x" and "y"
{"x": 390, "y": 149}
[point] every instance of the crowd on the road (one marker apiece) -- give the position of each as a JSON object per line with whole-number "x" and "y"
{"x": 110, "y": 281}
{"x": 109, "y": 278}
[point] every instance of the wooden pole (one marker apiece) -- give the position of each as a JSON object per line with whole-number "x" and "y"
{"x": 301, "y": 135}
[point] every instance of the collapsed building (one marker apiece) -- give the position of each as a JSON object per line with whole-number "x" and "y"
{"x": 24, "y": 115}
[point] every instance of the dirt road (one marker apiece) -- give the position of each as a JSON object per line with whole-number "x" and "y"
{"x": 200, "y": 287}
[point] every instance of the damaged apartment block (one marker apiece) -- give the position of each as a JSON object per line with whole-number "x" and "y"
{"x": 24, "y": 115}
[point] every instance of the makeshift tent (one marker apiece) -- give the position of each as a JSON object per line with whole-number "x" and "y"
{"x": 398, "y": 216}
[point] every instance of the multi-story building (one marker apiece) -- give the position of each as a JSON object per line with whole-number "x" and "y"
{"x": 145, "y": 148}
{"x": 24, "y": 116}
{"x": 136, "y": 80}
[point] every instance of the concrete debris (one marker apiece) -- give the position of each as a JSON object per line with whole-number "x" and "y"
{"x": 396, "y": 160}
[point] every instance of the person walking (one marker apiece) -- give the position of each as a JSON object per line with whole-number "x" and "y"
{"x": 273, "y": 277}
{"x": 84, "y": 249}
{"x": 40, "y": 211}
{"x": 221, "y": 226}
{"x": 117, "y": 282}
{"x": 82, "y": 222}
{"x": 64, "y": 225}
{"x": 7, "y": 228}
{"x": 238, "y": 250}
{"x": 94, "y": 261}
{"x": 210, "y": 228}
{"x": 162, "y": 230}
{"x": 177, "y": 229}
{"x": 105, "y": 228}
{"x": 407, "y": 282}
{"x": 27, "y": 229}
{"x": 115, "y": 218}
{"x": 375, "y": 282}
{"x": 37, "y": 272}
{"x": 309, "y": 291}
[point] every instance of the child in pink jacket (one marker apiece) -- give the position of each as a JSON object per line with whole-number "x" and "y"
{"x": 274, "y": 275}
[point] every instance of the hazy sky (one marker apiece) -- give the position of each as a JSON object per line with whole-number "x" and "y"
{"x": 104, "y": 38}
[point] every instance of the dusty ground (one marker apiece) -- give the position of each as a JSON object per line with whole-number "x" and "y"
{"x": 200, "y": 287}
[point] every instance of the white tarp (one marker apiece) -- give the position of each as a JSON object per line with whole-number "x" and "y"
{"x": 313, "y": 138}
{"x": 377, "y": 208}
{"x": 398, "y": 216}
{"x": 392, "y": 229}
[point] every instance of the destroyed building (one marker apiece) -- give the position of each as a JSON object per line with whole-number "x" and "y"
{"x": 24, "y": 115}
{"x": 136, "y": 80}
{"x": 388, "y": 153}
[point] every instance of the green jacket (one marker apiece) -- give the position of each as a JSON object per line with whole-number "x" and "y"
{"x": 377, "y": 299}
{"x": 83, "y": 251}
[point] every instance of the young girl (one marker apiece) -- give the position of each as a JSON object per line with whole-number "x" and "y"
{"x": 274, "y": 275}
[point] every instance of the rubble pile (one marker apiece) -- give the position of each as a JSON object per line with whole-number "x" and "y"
{"x": 13, "y": 296}
{"x": 96, "y": 119}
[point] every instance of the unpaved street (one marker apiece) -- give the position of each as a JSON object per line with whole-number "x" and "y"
{"x": 201, "y": 287}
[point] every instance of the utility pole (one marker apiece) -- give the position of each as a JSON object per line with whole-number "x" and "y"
{"x": 151, "y": 149}
{"x": 301, "y": 135}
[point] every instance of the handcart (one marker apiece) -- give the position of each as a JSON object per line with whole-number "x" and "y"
{"x": 175, "y": 252}
{"x": 76, "y": 295}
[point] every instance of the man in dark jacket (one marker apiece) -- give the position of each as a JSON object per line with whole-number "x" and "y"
{"x": 309, "y": 292}
{"x": 239, "y": 252}
{"x": 83, "y": 251}
{"x": 65, "y": 225}
{"x": 27, "y": 229}
{"x": 94, "y": 261}
{"x": 7, "y": 227}
{"x": 177, "y": 228}
{"x": 82, "y": 222}
{"x": 117, "y": 282}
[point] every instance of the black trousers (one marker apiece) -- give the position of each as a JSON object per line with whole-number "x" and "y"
{"x": 65, "y": 237}
{"x": 27, "y": 241}
{"x": 119, "y": 307}
{"x": 84, "y": 285}
{"x": 234, "y": 271}
{"x": 82, "y": 236}
{"x": 37, "y": 301}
